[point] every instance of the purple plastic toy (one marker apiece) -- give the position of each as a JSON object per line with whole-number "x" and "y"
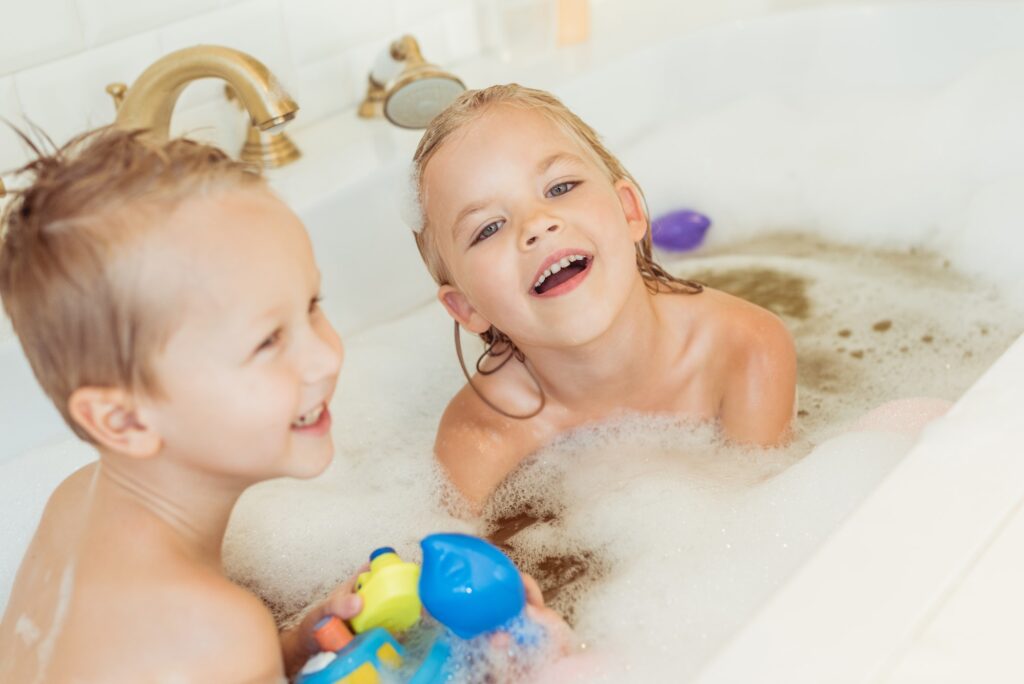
{"x": 680, "y": 231}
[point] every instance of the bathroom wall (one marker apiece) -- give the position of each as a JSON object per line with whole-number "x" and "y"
{"x": 57, "y": 56}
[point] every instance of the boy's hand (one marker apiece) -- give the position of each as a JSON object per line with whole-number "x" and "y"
{"x": 298, "y": 643}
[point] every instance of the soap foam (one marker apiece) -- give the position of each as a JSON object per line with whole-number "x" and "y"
{"x": 658, "y": 538}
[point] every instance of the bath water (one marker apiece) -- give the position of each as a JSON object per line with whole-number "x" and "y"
{"x": 656, "y": 539}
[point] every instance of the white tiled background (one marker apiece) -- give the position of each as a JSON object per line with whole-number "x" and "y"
{"x": 57, "y": 56}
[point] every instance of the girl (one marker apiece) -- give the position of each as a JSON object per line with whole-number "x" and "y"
{"x": 540, "y": 243}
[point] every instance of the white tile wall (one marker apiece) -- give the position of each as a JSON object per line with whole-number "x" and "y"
{"x": 37, "y": 31}
{"x": 61, "y": 53}
{"x": 67, "y": 96}
{"x": 107, "y": 20}
{"x": 11, "y": 148}
{"x": 318, "y": 29}
{"x": 57, "y": 56}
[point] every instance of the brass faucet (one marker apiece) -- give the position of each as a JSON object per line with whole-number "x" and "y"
{"x": 269, "y": 150}
{"x": 149, "y": 102}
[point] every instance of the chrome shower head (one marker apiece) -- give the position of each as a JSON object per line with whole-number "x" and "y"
{"x": 406, "y": 89}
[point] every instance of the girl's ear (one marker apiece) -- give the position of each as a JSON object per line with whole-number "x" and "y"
{"x": 459, "y": 308}
{"x": 633, "y": 208}
{"x": 108, "y": 415}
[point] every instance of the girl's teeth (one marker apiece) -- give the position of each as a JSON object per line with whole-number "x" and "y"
{"x": 556, "y": 267}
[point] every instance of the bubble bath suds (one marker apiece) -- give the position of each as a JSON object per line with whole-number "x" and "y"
{"x": 658, "y": 541}
{"x": 654, "y": 538}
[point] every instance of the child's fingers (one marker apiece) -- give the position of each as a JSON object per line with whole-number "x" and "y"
{"x": 534, "y": 596}
{"x": 343, "y": 601}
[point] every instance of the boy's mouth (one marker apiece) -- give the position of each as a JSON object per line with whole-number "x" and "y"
{"x": 312, "y": 418}
{"x": 562, "y": 272}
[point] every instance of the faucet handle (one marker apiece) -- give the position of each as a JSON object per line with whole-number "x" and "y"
{"x": 3, "y": 190}
{"x": 117, "y": 92}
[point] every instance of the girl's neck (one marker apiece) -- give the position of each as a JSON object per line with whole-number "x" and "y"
{"x": 607, "y": 370}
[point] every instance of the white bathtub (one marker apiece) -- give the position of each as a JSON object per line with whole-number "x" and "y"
{"x": 931, "y": 555}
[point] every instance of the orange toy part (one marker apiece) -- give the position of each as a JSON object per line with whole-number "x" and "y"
{"x": 332, "y": 634}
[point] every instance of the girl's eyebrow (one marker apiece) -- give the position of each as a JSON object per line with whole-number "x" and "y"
{"x": 553, "y": 159}
{"x": 467, "y": 210}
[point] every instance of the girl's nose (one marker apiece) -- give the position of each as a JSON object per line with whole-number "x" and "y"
{"x": 536, "y": 228}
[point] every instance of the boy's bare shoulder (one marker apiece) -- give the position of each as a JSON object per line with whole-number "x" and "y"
{"x": 477, "y": 446}
{"x": 225, "y": 626}
{"x": 185, "y": 624}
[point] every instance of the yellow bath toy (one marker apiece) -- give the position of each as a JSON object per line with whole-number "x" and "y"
{"x": 390, "y": 593}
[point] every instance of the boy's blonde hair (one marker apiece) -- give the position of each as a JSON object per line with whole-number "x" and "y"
{"x": 468, "y": 107}
{"x": 64, "y": 243}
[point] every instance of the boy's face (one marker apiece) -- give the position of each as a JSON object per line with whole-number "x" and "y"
{"x": 538, "y": 240}
{"x": 248, "y": 373}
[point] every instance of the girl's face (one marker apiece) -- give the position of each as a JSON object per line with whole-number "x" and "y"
{"x": 538, "y": 241}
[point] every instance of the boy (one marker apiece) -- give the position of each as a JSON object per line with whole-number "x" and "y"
{"x": 168, "y": 304}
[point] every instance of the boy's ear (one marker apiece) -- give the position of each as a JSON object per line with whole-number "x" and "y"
{"x": 632, "y": 203}
{"x": 461, "y": 310}
{"x": 109, "y": 416}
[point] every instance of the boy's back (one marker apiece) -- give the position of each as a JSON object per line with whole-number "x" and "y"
{"x": 135, "y": 585}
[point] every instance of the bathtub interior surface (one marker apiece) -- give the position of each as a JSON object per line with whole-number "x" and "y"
{"x": 783, "y": 64}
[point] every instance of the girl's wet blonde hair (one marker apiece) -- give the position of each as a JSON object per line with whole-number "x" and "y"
{"x": 467, "y": 108}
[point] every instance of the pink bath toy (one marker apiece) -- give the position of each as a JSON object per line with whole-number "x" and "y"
{"x": 903, "y": 415}
{"x": 680, "y": 231}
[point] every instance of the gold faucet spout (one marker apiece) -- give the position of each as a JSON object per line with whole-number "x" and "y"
{"x": 149, "y": 102}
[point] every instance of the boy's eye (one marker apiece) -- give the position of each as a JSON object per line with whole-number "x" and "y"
{"x": 270, "y": 341}
{"x": 488, "y": 230}
{"x": 314, "y": 303}
{"x": 561, "y": 188}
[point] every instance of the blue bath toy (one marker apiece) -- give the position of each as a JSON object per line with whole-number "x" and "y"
{"x": 436, "y": 666}
{"x": 680, "y": 231}
{"x": 359, "y": 662}
{"x": 468, "y": 584}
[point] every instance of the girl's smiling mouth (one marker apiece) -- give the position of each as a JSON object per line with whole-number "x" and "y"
{"x": 561, "y": 272}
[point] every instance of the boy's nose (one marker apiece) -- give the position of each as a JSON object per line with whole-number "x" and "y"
{"x": 536, "y": 228}
{"x": 324, "y": 355}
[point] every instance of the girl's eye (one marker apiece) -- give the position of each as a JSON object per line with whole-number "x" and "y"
{"x": 561, "y": 188}
{"x": 271, "y": 340}
{"x": 489, "y": 230}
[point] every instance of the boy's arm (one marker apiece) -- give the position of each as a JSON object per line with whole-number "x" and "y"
{"x": 760, "y": 393}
